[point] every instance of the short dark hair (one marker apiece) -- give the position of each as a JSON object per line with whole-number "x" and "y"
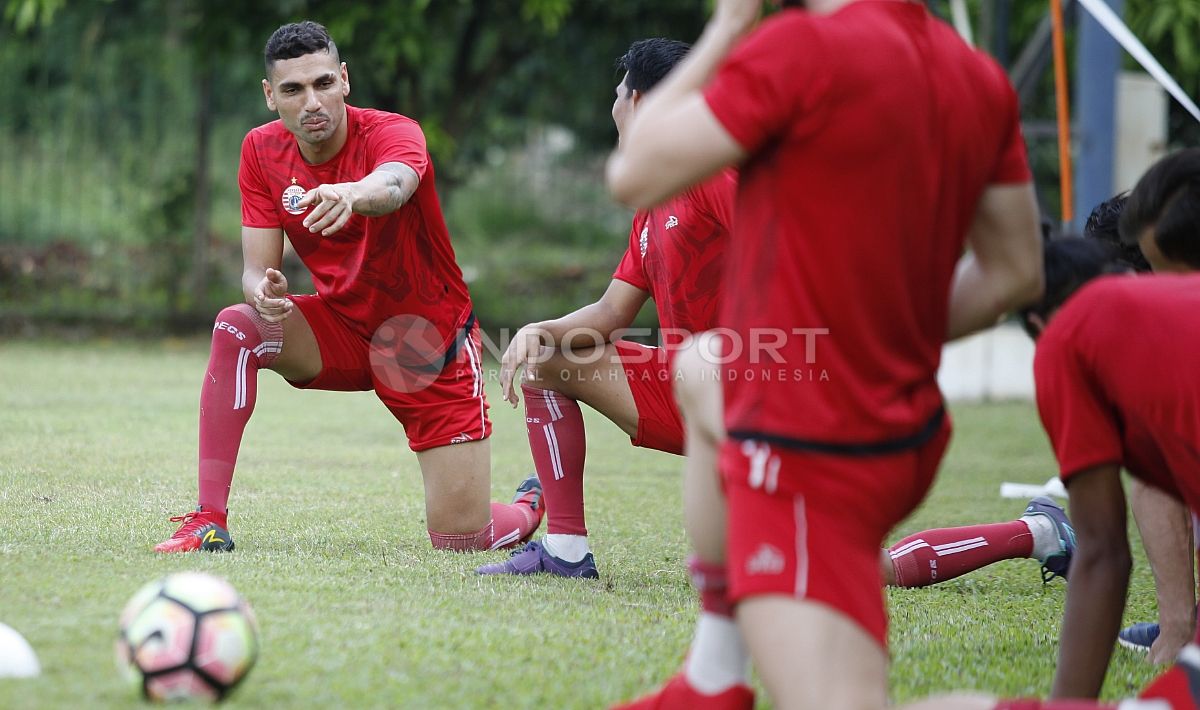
{"x": 649, "y": 60}
{"x": 1069, "y": 263}
{"x": 296, "y": 40}
{"x": 1167, "y": 198}
{"x": 1103, "y": 224}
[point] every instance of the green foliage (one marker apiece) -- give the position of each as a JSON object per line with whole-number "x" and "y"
{"x": 1171, "y": 26}
{"x": 355, "y": 608}
{"x": 26, "y": 14}
{"x": 104, "y": 102}
{"x": 536, "y": 237}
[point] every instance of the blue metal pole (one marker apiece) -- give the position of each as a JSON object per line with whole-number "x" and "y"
{"x": 1098, "y": 59}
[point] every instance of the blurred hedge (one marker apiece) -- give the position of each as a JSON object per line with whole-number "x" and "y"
{"x": 533, "y": 230}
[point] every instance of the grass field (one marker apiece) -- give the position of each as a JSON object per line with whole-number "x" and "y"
{"x": 97, "y": 449}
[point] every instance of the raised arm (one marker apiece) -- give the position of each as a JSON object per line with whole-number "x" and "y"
{"x": 1003, "y": 269}
{"x": 384, "y": 190}
{"x": 674, "y": 140}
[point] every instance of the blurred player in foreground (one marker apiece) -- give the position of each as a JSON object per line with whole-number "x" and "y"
{"x": 353, "y": 189}
{"x": 1163, "y": 520}
{"x": 1117, "y": 387}
{"x": 872, "y": 143}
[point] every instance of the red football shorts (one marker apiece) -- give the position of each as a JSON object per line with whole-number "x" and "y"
{"x": 648, "y": 372}
{"x": 1173, "y": 686}
{"x": 438, "y": 405}
{"x": 810, "y": 525}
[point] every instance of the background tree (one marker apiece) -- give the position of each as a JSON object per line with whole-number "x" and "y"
{"x": 123, "y": 118}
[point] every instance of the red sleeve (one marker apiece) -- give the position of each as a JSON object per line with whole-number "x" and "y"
{"x": 630, "y": 268}
{"x": 767, "y": 82}
{"x": 1082, "y": 425}
{"x": 715, "y": 197}
{"x": 1012, "y": 166}
{"x": 259, "y": 210}
{"x": 399, "y": 141}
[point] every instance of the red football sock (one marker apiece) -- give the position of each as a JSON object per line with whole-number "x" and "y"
{"x": 712, "y": 582}
{"x": 242, "y": 343}
{"x": 465, "y": 542}
{"x": 938, "y": 555}
{"x": 558, "y": 443}
{"x": 510, "y": 523}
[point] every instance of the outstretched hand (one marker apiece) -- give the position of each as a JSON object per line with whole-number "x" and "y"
{"x": 333, "y": 206}
{"x": 270, "y": 297}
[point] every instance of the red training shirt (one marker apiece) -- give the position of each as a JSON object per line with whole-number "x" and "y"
{"x": 1117, "y": 381}
{"x": 872, "y": 132}
{"x": 374, "y": 267}
{"x": 677, "y": 251}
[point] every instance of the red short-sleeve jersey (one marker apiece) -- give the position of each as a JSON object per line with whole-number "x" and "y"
{"x": 1117, "y": 381}
{"x": 872, "y": 133}
{"x": 677, "y": 253}
{"x": 374, "y": 267}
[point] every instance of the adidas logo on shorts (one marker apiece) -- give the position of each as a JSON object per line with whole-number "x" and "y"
{"x": 766, "y": 560}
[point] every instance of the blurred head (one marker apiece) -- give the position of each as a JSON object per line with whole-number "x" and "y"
{"x": 1162, "y": 214}
{"x": 1069, "y": 263}
{"x": 1103, "y": 225}
{"x": 643, "y": 66}
{"x": 306, "y": 82}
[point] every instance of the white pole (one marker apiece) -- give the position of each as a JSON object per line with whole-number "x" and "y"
{"x": 962, "y": 20}
{"x": 1113, "y": 24}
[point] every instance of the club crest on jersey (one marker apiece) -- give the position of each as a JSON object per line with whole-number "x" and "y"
{"x": 644, "y": 240}
{"x": 292, "y": 195}
{"x": 672, "y": 222}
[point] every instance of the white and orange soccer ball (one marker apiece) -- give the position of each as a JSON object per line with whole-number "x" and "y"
{"x": 187, "y": 636}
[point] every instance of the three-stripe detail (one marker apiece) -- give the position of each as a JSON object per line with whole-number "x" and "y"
{"x": 948, "y": 548}
{"x": 273, "y": 347}
{"x": 551, "y": 436}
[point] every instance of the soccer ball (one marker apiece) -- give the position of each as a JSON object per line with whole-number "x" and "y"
{"x": 187, "y": 636}
{"x": 17, "y": 659}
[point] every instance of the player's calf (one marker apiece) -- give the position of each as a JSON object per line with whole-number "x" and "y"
{"x": 511, "y": 523}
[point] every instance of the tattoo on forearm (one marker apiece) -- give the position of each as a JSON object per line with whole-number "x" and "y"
{"x": 389, "y": 197}
{"x": 382, "y": 203}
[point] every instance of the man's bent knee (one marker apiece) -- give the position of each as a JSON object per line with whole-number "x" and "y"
{"x": 240, "y": 327}
{"x": 578, "y": 373}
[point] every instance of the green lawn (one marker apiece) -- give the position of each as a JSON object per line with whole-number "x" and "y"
{"x": 97, "y": 449}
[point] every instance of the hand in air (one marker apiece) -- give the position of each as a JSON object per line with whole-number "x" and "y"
{"x": 333, "y": 205}
{"x": 525, "y": 350}
{"x": 737, "y": 15}
{"x": 270, "y": 297}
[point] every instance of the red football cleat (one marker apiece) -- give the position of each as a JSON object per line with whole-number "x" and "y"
{"x": 678, "y": 694}
{"x": 200, "y": 530}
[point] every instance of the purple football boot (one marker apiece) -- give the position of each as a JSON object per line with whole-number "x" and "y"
{"x": 533, "y": 559}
